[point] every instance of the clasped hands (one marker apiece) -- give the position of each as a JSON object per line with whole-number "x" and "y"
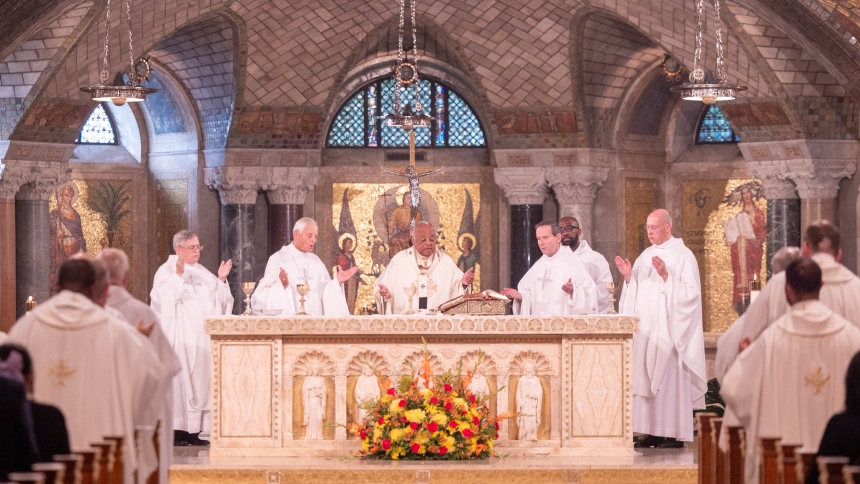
{"x": 626, "y": 268}
{"x": 223, "y": 269}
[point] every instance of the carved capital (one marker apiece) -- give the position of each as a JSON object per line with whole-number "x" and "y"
{"x": 577, "y": 184}
{"x": 819, "y": 178}
{"x": 11, "y": 178}
{"x": 291, "y": 185}
{"x": 777, "y": 186}
{"x": 522, "y": 186}
{"x": 32, "y": 180}
{"x": 235, "y": 186}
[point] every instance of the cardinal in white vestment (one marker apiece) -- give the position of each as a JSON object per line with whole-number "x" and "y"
{"x": 431, "y": 276}
{"x": 96, "y": 368}
{"x": 557, "y": 283}
{"x": 841, "y": 293}
{"x": 789, "y": 381}
{"x": 161, "y": 414}
{"x": 296, "y": 264}
{"x": 184, "y": 293}
{"x": 669, "y": 380}
{"x": 594, "y": 262}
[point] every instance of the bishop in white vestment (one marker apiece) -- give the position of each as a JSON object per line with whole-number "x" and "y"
{"x": 296, "y": 264}
{"x": 422, "y": 268}
{"x": 184, "y": 293}
{"x": 594, "y": 262}
{"x": 96, "y": 368}
{"x": 557, "y": 283}
{"x": 790, "y": 381}
{"x": 669, "y": 380}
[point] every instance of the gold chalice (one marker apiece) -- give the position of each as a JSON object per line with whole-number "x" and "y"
{"x": 248, "y": 289}
{"x": 612, "y": 287}
{"x": 303, "y": 290}
{"x": 410, "y": 293}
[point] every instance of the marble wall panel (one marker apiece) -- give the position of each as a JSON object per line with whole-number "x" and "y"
{"x": 246, "y": 390}
{"x": 597, "y": 391}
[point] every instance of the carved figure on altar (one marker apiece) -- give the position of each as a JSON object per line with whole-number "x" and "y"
{"x": 314, "y": 401}
{"x": 366, "y": 388}
{"x": 745, "y": 233}
{"x": 66, "y": 227}
{"x": 529, "y": 401}
{"x": 479, "y": 385}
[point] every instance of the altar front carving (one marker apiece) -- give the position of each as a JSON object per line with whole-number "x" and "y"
{"x": 279, "y": 384}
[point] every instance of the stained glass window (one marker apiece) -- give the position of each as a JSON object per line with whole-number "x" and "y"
{"x": 715, "y": 128}
{"x": 361, "y": 120}
{"x": 98, "y": 129}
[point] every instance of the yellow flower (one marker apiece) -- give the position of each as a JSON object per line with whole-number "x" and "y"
{"x": 422, "y": 438}
{"x": 377, "y": 433}
{"x": 440, "y": 418}
{"x": 396, "y": 434}
{"x": 395, "y": 406}
{"x": 461, "y": 403}
{"x": 416, "y": 415}
{"x": 425, "y": 392}
{"x": 448, "y": 441}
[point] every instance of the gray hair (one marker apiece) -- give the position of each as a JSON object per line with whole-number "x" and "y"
{"x": 117, "y": 263}
{"x": 423, "y": 223}
{"x": 783, "y": 258}
{"x": 304, "y": 222}
{"x": 182, "y": 236}
{"x": 102, "y": 276}
{"x": 547, "y": 223}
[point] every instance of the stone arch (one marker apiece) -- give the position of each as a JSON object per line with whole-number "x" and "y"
{"x": 311, "y": 358}
{"x": 538, "y": 359}
{"x": 488, "y": 364}
{"x": 416, "y": 358}
{"x": 374, "y": 359}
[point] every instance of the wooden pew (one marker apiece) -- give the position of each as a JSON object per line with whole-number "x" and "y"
{"x": 53, "y": 471}
{"x": 89, "y": 465}
{"x": 117, "y": 459}
{"x": 735, "y": 461}
{"x": 105, "y": 462}
{"x": 706, "y": 448}
{"x": 769, "y": 466}
{"x": 788, "y": 468}
{"x": 72, "y": 463}
{"x": 27, "y": 477}
{"x": 805, "y": 458}
{"x": 830, "y": 469}
{"x": 719, "y": 464}
{"x": 851, "y": 474}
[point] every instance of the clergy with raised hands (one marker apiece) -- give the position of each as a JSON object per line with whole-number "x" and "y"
{"x": 594, "y": 262}
{"x": 423, "y": 271}
{"x": 663, "y": 288}
{"x": 183, "y": 295}
{"x": 296, "y": 264}
{"x": 789, "y": 381}
{"x": 96, "y": 368}
{"x": 558, "y": 283}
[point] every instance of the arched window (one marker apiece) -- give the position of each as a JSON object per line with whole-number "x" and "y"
{"x": 714, "y": 128}
{"x": 99, "y": 128}
{"x": 361, "y": 120}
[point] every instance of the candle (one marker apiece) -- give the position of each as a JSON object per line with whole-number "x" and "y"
{"x": 30, "y": 304}
{"x": 755, "y": 288}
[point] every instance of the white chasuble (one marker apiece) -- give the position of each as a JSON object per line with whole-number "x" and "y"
{"x": 96, "y": 368}
{"x": 791, "y": 380}
{"x": 541, "y": 287}
{"x": 161, "y": 413}
{"x": 840, "y": 293}
{"x": 436, "y": 278}
{"x": 325, "y": 297}
{"x": 597, "y": 267}
{"x": 183, "y": 303}
{"x": 669, "y": 379}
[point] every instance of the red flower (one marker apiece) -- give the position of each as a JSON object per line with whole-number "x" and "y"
{"x": 402, "y": 403}
{"x": 497, "y": 436}
{"x": 447, "y": 387}
{"x": 414, "y": 425}
{"x": 434, "y": 400}
{"x": 497, "y": 426}
{"x": 391, "y": 391}
{"x": 467, "y": 433}
{"x": 363, "y": 435}
{"x": 443, "y": 450}
{"x": 386, "y": 444}
{"x": 476, "y": 421}
{"x": 381, "y": 420}
{"x": 432, "y": 427}
{"x": 449, "y": 406}
{"x": 452, "y": 424}
{"x": 415, "y": 448}
{"x": 472, "y": 398}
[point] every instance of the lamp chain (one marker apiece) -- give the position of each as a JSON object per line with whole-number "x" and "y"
{"x": 399, "y": 60}
{"x": 131, "y": 76}
{"x": 721, "y": 66}
{"x": 103, "y": 76}
{"x": 418, "y": 106}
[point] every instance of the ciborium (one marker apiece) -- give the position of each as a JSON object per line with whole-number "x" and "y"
{"x": 612, "y": 287}
{"x": 410, "y": 293}
{"x": 248, "y": 289}
{"x": 303, "y": 290}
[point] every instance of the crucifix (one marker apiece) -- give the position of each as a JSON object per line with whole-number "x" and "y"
{"x": 412, "y": 174}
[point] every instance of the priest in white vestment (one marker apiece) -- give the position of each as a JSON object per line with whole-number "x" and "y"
{"x": 557, "y": 283}
{"x": 669, "y": 380}
{"x": 161, "y": 414}
{"x": 594, "y": 262}
{"x": 431, "y": 276}
{"x": 841, "y": 293}
{"x": 789, "y": 381}
{"x": 94, "y": 367}
{"x": 184, "y": 293}
{"x": 296, "y": 264}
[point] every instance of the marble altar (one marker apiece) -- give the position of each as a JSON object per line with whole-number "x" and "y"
{"x": 582, "y": 365}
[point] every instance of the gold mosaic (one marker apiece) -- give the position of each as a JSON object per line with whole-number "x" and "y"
{"x": 641, "y": 196}
{"x": 171, "y": 214}
{"x": 375, "y": 216}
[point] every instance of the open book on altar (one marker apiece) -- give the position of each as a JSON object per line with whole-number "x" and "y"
{"x": 488, "y": 302}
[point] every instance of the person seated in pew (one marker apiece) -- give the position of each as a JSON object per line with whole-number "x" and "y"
{"x": 49, "y": 424}
{"x": 17, "y": 442}
{"x": 842, "y": 435}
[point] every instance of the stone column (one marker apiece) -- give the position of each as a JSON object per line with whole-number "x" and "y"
{"x": 238, "y": 192}
{"x": 8, "y": 302}
{"x": 575, "y": 188}
{"x": 818, "y": 184}
{"x": 525, "y": 189}
{"x": 340, "y": 401}
{"x": 502, "y": 398}
{"x": 783, "y": 209}
{"x": 287, "y": 195}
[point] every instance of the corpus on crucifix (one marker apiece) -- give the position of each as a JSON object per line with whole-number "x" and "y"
{"x": 412, "y": 174}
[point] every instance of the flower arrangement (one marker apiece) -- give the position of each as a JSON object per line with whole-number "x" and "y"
{"x": 442, "y": 421}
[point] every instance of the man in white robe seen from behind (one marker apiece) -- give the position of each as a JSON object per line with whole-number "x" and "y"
{"x": 788, "y": 383}
{"x": 183, "y": 295}
{"x": 93, "y": 366}
{"x": 669, "y": 380}
{"x": 161, "y": 414}
{"x": 434, "y": 275}
{"x": 296, "y": 264}
{"x": 594, "y": 262}
{"x": 557, "y": 283}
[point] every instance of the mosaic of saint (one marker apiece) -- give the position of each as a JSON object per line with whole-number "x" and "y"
{"x": 372, "y": 224}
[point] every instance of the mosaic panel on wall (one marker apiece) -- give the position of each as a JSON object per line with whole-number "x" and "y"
{"x": 171, "y": 214}
{"x": 641, "y": 200}
{"x": 371, "y": 224}
{"x": 724, "y": 226}
{"x": 89, "y": 215}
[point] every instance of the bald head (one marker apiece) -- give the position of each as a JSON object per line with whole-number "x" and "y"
{"x": 783, "y": 258}
{"x": 424, "y": 238}
{"x": 98, "y": 291}
{"x": 802, "y": 280}
{"x": 117, "y": 264}
{"x": 659, "y": 226}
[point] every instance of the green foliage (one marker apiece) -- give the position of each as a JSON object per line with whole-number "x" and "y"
{"x": 110, "y": 199}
